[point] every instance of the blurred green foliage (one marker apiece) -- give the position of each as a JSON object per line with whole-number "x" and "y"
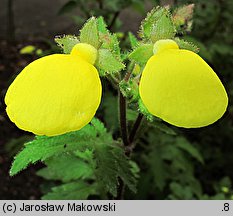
{"x": 110, "y": 10}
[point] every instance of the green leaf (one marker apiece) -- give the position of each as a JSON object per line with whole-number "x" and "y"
{"x": 44, "y": 147}
{"x": 163, "y": 28}
{"x": 107, "y": 63}
{"x": 157, "y": 25}
{"x": 112, "y": 163}
{"x": 149, "y": 21}
{"x": 89, "y": 33}
{"x": 67, "y": 7}
{"x": 125, "y": 169}
{"x": 66, "y": 42}
{"x": 186, "y": 45}
{"x": 108, "y": 41}
{"x": 106, "y": 171}
{"x": 182, "y": 17}
{"x": 101, "y": 25}
{"x": 133, "y": 40}
{"x": 65, "y": 167}
{"x": 142, "y": 54}
{"x": 71, "y": 191}
{"x": 183, "y": 144}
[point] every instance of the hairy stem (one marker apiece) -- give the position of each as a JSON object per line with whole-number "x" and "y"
{"x": 135, "y": 128}
{"x": 127, "y": 141}
{"x": 123, "y": 121}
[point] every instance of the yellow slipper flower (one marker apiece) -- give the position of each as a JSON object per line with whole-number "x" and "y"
{"x": 179, "y": 87}
{"x": 56, "y": 94}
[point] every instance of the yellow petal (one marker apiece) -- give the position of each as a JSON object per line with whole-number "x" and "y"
{"x": 179, "y": 87}
{"x": 54, "y": 95}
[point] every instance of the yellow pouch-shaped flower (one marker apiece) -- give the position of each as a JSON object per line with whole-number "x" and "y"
{"x": 56, "y": 94}
{"x": 179, "y": 87}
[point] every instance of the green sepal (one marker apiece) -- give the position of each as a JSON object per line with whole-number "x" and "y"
{"x": 149, "y": 21}
{"x": 108, "y": 40}
{"x": 163, "y": 28}
{"x": 157, "y": 25}
{"x": 89, "y": 33}
{"x": 133, "y": 40}
{"x": 186, "y": 45}
{"x": 108, "y": 63}
{"x": 142, "y": 54}
{"x": 66, "y": 42}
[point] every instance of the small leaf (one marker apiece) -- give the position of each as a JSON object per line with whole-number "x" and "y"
{"x": 101, "y": 25}
{"x": 144, "y": 111}
{"x": 133, "y": 40}
{"x": 182, "y": 17}
{"x": 66, "y": 42}
{"x": 71, "y": 191}
{"x": 107, "y": 63}
{"x": 149, "y": 21}
{"x": 163, "y": 28}
{"x": 186, "y": 45}
{"x": 108, "y": 41}
{"x": 89, "y": 33}
{"x": 142, "y": 54}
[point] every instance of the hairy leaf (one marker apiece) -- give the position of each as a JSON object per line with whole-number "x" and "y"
{"x": 149, "y": 21}
{"x": 66, "y": 42}
{"x": 163, "y": 28}
{"x": 186, "y": 45}
{"x": 107, "y": 63}
{"x": 142, "y": 54}
{"x": 43, "y": 147}
{"x": 65, "y": 167}
{"x": 182, "y": 17}
{"x": 133, "y": 40}
{"x": 111, "y": 164}
{"x": 71, "y": 191}
{"x": 89, "y": 33}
